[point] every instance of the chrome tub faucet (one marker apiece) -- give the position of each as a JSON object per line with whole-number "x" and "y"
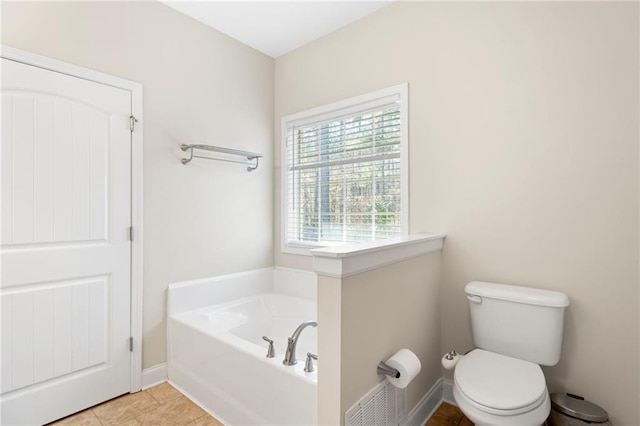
{"x": 290, "y": 355}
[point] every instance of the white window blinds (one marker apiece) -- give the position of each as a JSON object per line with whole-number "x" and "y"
{"x": 343, "y": 176}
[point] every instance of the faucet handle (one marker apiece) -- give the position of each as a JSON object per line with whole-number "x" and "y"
{"x": 271, "y": 352}
{"x": 308, "y": 366}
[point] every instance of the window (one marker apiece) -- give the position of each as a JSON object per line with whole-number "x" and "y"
{"x": 345, "y": 172}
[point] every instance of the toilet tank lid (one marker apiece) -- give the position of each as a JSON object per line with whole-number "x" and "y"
{"x": 513, "y": 293}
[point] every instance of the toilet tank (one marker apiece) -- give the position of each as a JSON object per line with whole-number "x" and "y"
{"x": 520, "y": 322}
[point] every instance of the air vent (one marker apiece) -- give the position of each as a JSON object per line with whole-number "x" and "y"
{"x": 383, "y": 405}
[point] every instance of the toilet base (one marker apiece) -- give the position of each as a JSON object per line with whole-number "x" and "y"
{"x": 535, "y": 417}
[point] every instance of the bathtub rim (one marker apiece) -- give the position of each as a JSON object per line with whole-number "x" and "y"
{"x": 274, "y": 279}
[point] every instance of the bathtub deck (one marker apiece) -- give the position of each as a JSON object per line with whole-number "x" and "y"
{"x": 448, "y": 415}
{"x": 159, "y": 405}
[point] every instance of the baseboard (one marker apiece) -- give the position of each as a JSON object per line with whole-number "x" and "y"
{"x": 441, "y": 391}
{"x": 447, "y": 392}
{"x": 153, "y": 376}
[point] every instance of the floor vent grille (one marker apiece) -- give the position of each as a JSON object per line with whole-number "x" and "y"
{"x": 383, "y": 405}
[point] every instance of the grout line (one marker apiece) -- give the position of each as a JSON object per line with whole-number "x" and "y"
{"x": 142, "y": 412}
{"x": 96, "y": 416}
{"x": 167, "y": 400}
{"x": 196, "y": 419}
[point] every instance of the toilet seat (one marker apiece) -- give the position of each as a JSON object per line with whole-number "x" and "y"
{"x": 535, "y": 417}
{"x": 498, "y": 384}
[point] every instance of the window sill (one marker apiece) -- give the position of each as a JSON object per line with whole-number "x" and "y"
{"x": 350, "y": 259}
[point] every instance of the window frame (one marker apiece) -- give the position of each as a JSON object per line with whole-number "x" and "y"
{"x": 335, "y": 110}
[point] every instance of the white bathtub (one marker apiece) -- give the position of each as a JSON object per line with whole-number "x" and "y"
{"x": 217, "y": 356}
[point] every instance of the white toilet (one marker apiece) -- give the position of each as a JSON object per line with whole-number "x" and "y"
{"x": 515, "y": 329}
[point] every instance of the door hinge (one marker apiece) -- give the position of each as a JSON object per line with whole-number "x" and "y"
{"x": 131, "y": 234}
{"x": 131, "y": 344}
{"x": 132, "y": 123}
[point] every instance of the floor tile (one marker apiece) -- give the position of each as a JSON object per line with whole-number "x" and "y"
{"x": 441, "y": 420}
{"x": 448, "y": 415}
{"x": 132, "y": 422}
{"x": 206, "y": 420}
{"x": 163, "y": 392}
{"x": 125, "y": 408}
{"x": 466, "y": 422}
{"x": 449, "y": 410}
{"x": 83, "y": 418}
{"x": 178, "y": 411}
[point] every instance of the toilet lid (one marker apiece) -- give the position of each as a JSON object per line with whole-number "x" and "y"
{"x": 498, "y": 381}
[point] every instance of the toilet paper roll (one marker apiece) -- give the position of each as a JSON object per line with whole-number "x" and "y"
{"x": 449, "y": 364}
{"x": 408, "y": 364}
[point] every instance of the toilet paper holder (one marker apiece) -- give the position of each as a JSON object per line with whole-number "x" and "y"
{"x": 385, "y": 369}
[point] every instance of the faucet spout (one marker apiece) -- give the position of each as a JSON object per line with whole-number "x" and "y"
{"x": 290, "y": 355}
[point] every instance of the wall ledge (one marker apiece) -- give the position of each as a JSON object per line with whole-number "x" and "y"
{"x": 350, "y": 259}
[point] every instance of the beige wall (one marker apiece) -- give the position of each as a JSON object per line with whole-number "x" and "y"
{"x": 330, "y": 410}
{"x": 386, "y": 309}
{"x": 367, "y": 317}
{"x": 200, "y": 86}
{"x": 523, "y": 150}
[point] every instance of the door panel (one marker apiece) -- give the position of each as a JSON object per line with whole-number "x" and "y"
{"x": 66, "y": 210}
{"x": 56, "y": 178}
{"x": 69, "y": 330}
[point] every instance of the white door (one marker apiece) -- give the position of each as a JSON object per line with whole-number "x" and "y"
{"x": 65, "y": 249}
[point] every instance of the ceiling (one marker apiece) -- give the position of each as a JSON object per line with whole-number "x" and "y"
{"x": 276, "y": 27}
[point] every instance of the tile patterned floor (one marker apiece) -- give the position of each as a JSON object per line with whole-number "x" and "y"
{"x": 159, "y": 405}
{"x": 448, "y": 415}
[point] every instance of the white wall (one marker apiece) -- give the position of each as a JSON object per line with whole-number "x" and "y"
{"x": 523, "y": 150}
{"x": 200, "y": 86}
